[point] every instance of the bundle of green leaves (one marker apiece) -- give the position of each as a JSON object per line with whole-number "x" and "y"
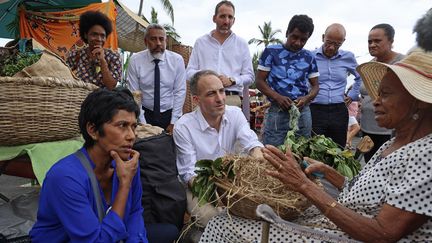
{"x": 207, "y": 171}
{"x": 320, "y": 148}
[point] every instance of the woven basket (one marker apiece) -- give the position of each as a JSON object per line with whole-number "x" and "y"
{"x": 40, "y": 109}
{"x": 240, "y": 204}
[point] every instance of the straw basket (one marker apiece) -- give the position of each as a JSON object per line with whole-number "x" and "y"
{"x": 243, "y": 204}
{"x": 40, "y": 109}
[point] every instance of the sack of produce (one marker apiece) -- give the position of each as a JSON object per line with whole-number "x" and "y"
{"x": 49, "y": 65}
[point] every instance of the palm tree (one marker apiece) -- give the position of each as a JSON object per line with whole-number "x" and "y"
{"x": 167, "y": 6}
{"x": 267, "y": 35}
{"x": 255, "y": 59}
{"x": 170, "y": 30}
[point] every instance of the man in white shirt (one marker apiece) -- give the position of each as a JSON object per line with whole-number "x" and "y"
{"x": 157, "y": 64}
{"x": 225, "y": 53}
{"x": 210, "y": 132}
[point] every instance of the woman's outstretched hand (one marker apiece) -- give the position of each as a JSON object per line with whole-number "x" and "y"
{"x": 287, "y": 169}
{"x": 126, "y": 170}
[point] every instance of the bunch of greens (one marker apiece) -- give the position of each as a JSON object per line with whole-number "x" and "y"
{"x": 320, "y": 148}
{"x": 203, "y": 185}
{"x": 14, "y": 64}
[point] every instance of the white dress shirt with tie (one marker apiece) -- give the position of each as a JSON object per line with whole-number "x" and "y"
{"x": 196, "y": 140}
{"x": 140, "y": 76}
{"x": 232, "y": 59}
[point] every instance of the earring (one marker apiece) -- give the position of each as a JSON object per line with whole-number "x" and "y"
{"x": 415, "y": 117}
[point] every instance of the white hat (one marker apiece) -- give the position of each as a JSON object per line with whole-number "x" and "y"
{"x": 414, "y": 71}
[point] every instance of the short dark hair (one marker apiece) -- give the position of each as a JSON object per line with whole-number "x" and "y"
{"x": 302, "y": 22}
{"x": 100, "y": 106}
{"x": 424, "y": 31}
{"x": 196, "y": 77}
{"x": 153, "y": 26}
{"x": 388, "y": 30}
{"x": 229, "y": 3}
{"x": 91, "y": 18}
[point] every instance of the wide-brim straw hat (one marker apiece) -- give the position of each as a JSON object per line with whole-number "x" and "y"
{"x": 414, "y": 71}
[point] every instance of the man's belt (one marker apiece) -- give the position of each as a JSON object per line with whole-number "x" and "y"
{"x": 229, "y": 92}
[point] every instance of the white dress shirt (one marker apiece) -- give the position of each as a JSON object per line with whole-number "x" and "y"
{"x": 140, "y": 76}
{"x": 232, "y": 59}
{"x": 196, "y": 140}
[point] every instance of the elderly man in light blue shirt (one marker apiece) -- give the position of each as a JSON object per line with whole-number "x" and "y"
{"x": 329, "y": 111}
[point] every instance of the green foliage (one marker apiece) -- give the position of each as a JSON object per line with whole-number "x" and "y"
{"x": 320, "y": 148}
{"x": 207, "y": 170}
{"x": 170, "y": 30}
{"x": 167, "y": 6}
{"x": 154, "y": 16}
{"x": 267, "y": 35}
{"x": 14, "y": 64}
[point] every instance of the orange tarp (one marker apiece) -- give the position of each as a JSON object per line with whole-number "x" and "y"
{"x": 59, "y": 31}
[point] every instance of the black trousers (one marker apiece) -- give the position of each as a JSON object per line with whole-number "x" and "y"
{"x": 165, "y": 118}
{"x": 331, "y": 121}
{"x": 378, "y": 140}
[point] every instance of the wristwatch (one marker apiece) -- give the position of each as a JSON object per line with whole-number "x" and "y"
{"x": 233, "y": 82}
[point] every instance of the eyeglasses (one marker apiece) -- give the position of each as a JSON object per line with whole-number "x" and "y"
{"x": 333, "y": 43}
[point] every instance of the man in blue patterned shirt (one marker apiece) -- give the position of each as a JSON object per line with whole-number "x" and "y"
{"x": 329, "y": 112}
{"x": 288, "y": 75}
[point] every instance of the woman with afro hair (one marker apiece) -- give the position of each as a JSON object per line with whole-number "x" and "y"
{"x": 93, "y": 63}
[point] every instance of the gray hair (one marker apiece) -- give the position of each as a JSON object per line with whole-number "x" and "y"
{"x": 154, "y": 26}
{"x": 196, "y": 77}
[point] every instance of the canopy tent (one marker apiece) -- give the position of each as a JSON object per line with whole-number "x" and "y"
{"x": 130, "y": 27}
{"x": 9, "y": 12}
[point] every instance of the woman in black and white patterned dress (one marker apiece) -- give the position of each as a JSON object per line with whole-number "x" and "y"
{"x": 390, "y": 199}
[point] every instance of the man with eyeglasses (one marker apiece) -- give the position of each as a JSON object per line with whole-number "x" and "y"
{"x": 329, "y": 111}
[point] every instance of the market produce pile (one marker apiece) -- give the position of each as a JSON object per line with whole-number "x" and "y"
{"x": 13, "y": 61}
{"x": 13, "y": 65}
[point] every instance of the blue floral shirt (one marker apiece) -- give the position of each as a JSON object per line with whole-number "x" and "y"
{"x": 289, "y": 72}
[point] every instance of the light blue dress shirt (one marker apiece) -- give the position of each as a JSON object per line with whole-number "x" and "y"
{"x": 334, "y": 72}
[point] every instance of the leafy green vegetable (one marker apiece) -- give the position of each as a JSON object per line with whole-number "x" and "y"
{"x": 12, "y": 65}
{"x": 320, "y": 148}
{"x": 204, "y": 186}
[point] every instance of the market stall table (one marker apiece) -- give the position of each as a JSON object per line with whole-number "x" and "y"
{"x": 34, "y": 160}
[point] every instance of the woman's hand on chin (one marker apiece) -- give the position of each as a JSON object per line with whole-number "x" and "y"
{"x": 126, "y": 170}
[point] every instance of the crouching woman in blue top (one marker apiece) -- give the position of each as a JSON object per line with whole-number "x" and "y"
{"x": 67, "y": 207}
